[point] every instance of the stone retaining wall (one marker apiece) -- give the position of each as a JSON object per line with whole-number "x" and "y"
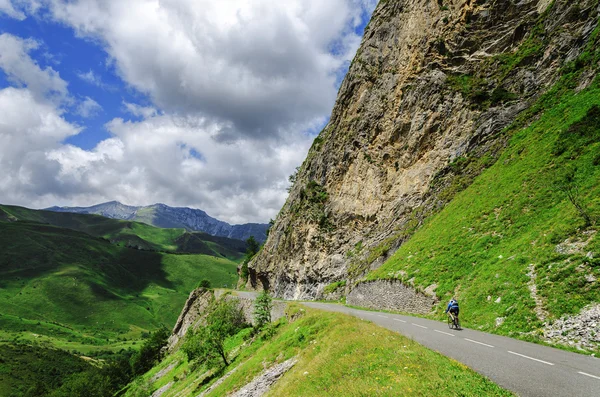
{"x": 390, "y": 295}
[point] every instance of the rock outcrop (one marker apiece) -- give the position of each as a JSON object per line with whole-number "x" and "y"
{"x": 195, "y": 307}
{"x": 433, "y": 85}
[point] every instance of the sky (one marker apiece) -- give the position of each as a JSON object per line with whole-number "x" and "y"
{"x": 198, "y": 103}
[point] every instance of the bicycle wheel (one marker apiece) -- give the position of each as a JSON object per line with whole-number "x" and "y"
{"x": 457, "y": 323}
{"x": 450, "y": 322}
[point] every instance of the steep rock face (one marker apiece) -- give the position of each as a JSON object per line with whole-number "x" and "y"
{"x": 433, "y": 83}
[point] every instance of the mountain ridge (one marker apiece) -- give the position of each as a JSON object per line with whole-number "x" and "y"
{"x": 164, "y": 216}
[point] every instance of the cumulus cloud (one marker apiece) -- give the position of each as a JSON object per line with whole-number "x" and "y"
{"x": 234, "y": 88}
{"x": 175, "y": 159}
{"x": 28, "y": 129}
{"x": 21, "y": 69}
{"x": 140, "y": 111}
{"x": 263, "y": 66}
{"x": 94, "y": 79}
{"x": 88, "y": 108}
{"x": 7, "y": 8}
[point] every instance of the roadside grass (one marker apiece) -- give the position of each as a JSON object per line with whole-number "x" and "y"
{"x": 479, "y": 248}
{"x": 337, "y": 355}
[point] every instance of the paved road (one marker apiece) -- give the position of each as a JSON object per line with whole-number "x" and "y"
{"x": 525, "y": 368}
{"x": 522, "y": 367}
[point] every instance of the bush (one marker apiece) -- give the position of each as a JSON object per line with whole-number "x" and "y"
{"x": 207, "y": 343}
{"x": 262, "y": 309}
{"x": 204, "y": 284}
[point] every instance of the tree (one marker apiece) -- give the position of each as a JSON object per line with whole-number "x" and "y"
{"x": 150, "y": 352}
{"x": 262, "y": 309}
{"x": 252, "y": 247}
{"x": 207, "y": 343}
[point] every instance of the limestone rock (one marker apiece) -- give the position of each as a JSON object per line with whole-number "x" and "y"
{"x": 399, "y": 121}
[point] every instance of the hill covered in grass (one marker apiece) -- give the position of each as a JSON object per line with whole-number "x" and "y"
{"x": 82, "y": 292}
{"x": 519, "y": 247}
{"x": 132, "y": 234}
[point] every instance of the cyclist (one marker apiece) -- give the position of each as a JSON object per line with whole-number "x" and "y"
{"x": 452, "y": 307}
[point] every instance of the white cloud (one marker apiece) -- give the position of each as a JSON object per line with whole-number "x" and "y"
{"x": 28, "y": 129}
{"x": 88, "y": 108}
{"x": 262, "y": 66}
{"x": 177, "y": 160}
{"x": 94, "y": 79}
{"x": 21, "y": 69}
{"x": 7, "y": 8}
{"x": 234, "y": 86}
{"x": 140, "y": 111}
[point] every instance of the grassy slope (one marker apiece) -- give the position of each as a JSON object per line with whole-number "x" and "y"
{"x": 127, "y": 233}
{"x": 338, "y": 356}
{"x": 81, "y": 292}
{"x": 512, "y": 216}
{"x": 21, "y": 367}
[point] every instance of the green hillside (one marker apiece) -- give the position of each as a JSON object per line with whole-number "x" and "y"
{"x": 334, "y": 359}
{"x": 520, "y": 245}
{"x": 78, "y": 291}
{"x": 132, "y": 234}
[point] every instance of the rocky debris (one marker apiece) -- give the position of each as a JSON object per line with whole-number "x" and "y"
{"x": 539, "y": 305}
{"x": 163, "y": 372}
{"x": 262, "y": 383}
{"x": 217, "y": 383}
{"x": 581, "y": 331}
{"x": 500, "y": 321}
{"x": 162, "y": 390}
{"x": 576, "y": 245}
{"x": 390, "y": 295}
{"x": 402, "y": 116}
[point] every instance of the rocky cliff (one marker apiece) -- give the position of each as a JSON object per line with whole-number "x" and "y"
{"x": 433, "y": 85}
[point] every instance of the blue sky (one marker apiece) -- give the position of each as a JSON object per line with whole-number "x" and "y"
{"x": 191, "y": 103}
{"x": 72, "y": 57}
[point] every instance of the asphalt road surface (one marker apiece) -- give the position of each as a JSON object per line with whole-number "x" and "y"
{"x": 527, "y": 369}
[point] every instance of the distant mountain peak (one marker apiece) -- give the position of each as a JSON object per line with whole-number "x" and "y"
{"x": 162, "y": 215}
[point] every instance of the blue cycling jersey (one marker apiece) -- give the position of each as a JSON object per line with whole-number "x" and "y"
{"x": 452, "y": 305}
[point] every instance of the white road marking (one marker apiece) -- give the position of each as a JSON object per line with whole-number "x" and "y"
{"x": 379, "y": 315}
{"x": 531, "y": 358}
{"x": 479, "y": 343}
{"x": 397, "y": 319}
{"x": 591, "y": 376}
{"x": 442, "y": 332}
{"x": 417, "y": 325}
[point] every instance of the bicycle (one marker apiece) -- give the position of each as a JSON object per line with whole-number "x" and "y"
{"x": 453, "y": 321}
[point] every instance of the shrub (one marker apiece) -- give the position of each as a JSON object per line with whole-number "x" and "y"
{"x": 262, "y": 309}
{"x": 204, "y": 284}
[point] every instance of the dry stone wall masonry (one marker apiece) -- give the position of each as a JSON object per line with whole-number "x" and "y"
{"x": 401, "y": 117}
{"x": 390, "y": 295}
